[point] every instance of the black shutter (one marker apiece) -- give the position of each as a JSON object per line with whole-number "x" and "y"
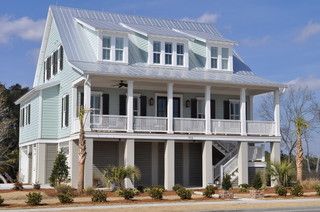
{"x": 105, "y": 104}
{"x": 44, "y": 71}
{"x": 247, "y": 111}
{"x": 48, "y": 66}
{"x": 61, "y": 58}
{"x": 62, "y": 101}
{"x": 81, "y": 99}
{"x": 193, "y": 108}
{"x": 66, "y": 121}
{"x": 226, "y": 110}
{"x": 213, "y": 109}
{"x": 143, "y": 105}
{"x": 55, "y": 62}
{"x": 122, "y": 105}
{"x": 29, "y": 114}
{"x": 22, "y": 117}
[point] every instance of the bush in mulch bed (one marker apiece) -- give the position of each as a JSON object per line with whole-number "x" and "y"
{"x": 156, "y": 192}
{"x": 140, "y": 188}
{"x": 128, "y": 193}
{"x": 89, "y": 191}
{"x": 65, "y": 198}
{"x": 176, "y": 187}
{"x": 317, "y": 188}
{"x": 1, "y": 200}
{"x": 184, "y": 193}
{"x": 65, "y": 193}
{"x": 99, "y": 196}
{"x": 209, "y": 191}
{"x": 281, "y": 190}
{"x": 244, "y": 188}
{"x": 17, "y": 186}
{"x": 34, "y": 198}
{"x": 297, "y": 190}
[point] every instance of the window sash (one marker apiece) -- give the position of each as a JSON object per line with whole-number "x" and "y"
{"x": 234, "y": 110}
{"x": 214, "y": 57}
{"x": 106, "y": 48}
{"x": 168, "y": 53}
{"x": 180, "y": 54}
{"x": 200, "y": 108}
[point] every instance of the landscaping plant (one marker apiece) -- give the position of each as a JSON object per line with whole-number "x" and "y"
{"x": 140, "y": 188}
{"x": 99, "y": 196}
{"x": 34, "y": 198}
{"x": 17, "y": 185}
{"x": 301, "y": 124}
{"x": 297, "y": 190}
{"x": 65, "y": 193}
{"x": 244, "y": 187}
{"x": 117, "y": 174}
{"x": 281, "y": 190}
{"x": 65, "y": 198}
{"x": 209, "y": 191}
{"x": 184, "y": 193}
{"x": 176, "y": 187}
{"x": 128, "y": 193}
{"x": 317, "y": 188}
{"x": 281, "y": 172}
{"x": 257, "y": 182}
{"x": 156, "y": 192}
{"x": 60, "y": 170}
{"x": 89, "y": 191}
{"x": 226, "y": 182}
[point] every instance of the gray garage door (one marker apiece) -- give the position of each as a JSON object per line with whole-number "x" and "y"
{"x": 178, "y": 163}
{"x": 195, "y": 168}
{"x": 52, "y": 151}
{"x": 161, "y": 164}
{"x": 143, "y": 160}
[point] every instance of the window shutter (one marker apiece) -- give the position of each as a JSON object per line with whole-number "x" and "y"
{"x": 29, "y": 114}
{"x": 44, "y": 71}
{"x": 62, "y": 112}
{"x": 193, "y": 108}
{"x": 66, "y": 121}
{"x": 247, "y": 111}
{"x": 226, "y": 109}
{"x": 55, "y": 62}
{"x": 143, "y": 105}
{"x": 105, "y": 104}
{"x": 61, "y": 58}
{"x": 213, "y": 109}
{"x": 122, "y": 105}
{"x": 48, "y": 66}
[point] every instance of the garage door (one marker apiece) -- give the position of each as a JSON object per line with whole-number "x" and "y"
{"x": 178, "y": 159}
{"x": 195, "y": 168}
{"x": 143, "y": 160}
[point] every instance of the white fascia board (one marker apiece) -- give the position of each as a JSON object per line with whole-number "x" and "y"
{"x": 191, "y": 36}
{"x": 82, "y": 23}
{"x": 134, "y": 30}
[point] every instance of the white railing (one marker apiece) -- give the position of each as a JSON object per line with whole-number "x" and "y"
{"x": 150, "y": 124}
{"x": 222, "y": 126}
{"x": 189, "y": 125}
{"x": 260, "y": 128}
{"x": 256, "y": 153}
{"x": 230, "y": 167}
{"x": 109, "y": 122}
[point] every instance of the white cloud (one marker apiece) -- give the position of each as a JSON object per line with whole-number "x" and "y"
{"x": 313, "y": 83}
{"x": 255, "y": 42}
{"x": 24, "y": 27}
{"x": 204, "y": 18}
{"x": 310, "y": 30}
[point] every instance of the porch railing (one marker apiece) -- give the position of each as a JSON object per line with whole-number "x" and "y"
{"x": 189, "y": 125}
{"x": 222, "y": 126}
{"x": 256, "y": 153}
{"x": 150, "y": 124}
{"x": 260, "y": 128}
{"x": 109, "y": 122}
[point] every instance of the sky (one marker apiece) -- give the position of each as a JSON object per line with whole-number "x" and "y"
{"x": 279, "y": 40}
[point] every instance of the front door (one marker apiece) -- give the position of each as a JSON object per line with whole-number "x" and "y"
{"x": 162, "y": 106}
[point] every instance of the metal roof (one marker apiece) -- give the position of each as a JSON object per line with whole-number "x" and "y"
{"x": 101, "y": 25}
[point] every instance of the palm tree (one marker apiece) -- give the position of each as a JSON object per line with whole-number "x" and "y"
{"x": 117, "y": 174}
{"x": 282, "y": 172}
{"x": 301, "y": 124}
{"x": 82, "y": 154}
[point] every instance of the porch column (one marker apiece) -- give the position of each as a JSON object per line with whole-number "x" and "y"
{"x": 129, "y": 159}
{"x": 251, "y": 107}
{"x": 88, "y": 166}
{"x": 74, "y": 164}
{"x": 87, "y": 103}
{"x": 155, "y": 162}
{"x": 243, "y": 118}
{"x": 243, "y": 163}
{"x": 42, "y": 150}
{"x": 207, "y": 177}
{"x": 169, "y": 165}
{"x": 274, "y": 157}
{"x": 276, "y": 95}
{"x": 208, "y": 109}
{"x": 170, "y": 107}
{"x": 130, "y": 106}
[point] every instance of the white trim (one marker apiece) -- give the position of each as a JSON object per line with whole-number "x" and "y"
{"x": 113, "y": 36}
{"x": 40, "y": 116}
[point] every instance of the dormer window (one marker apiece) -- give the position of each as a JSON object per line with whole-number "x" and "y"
{"x": 219, "y": 58}
{"x": 156, "y": 52}
{"x": 114, "y": 48}
{"x": 119, "y": 49}
{"x": 106, "y": 48}
{"x": 214, "y": 57}
{"x": 225, "y": 56}
{"x": 180, "y": 54}
{"x": 168, "y": 53}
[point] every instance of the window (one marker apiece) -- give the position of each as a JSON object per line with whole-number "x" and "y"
{"x": 96, "y": 107}
{"x": 55, "y": 63}
{"x": 136, "y": 105}
{"x": 60, "y": 58}
{"x": 28, "y": 114}
{"x": 180, "y": 54}
{"x": 214, "y": 57}
{"x": 234, "y": 109}
{"x": 200, "y": 108}
{"x": 22, "y": 117}
{"x": 168, "y": 53}
{"x": 25, "y": 116}
{"x": 156, "y": 52}
{"x": 106, "y": 48}
{"x": 48, "y": 66}
{"x": 119, "y": 49}
{"x": 225, "y": 56}
{"x": 65, "y": 111}
{"x": 44, "y": 70}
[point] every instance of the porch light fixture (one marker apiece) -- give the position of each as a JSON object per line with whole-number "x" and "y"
{"x": 151, "y": 101}
{"x": 187, "y": 103}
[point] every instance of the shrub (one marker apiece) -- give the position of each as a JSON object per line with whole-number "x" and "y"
{"x": 281, "y": 190}
{"x": 36, "y": 186}
{"x": 89, "y": 191}
{"x": 297, "y": 190}
{"x": 65, "y": 198}
{"x": 310, "y": 184}
{"x": 244, "y": 187}
{"x": 64, "y": 189}
{"x": 34, "y": 198}
{"x": 226, "y": 182}
{"x": 17, "y": 185}
{"x": 176, "y": 187}
{"x": 156, "y": 192}
{"x": 117, "y": 174}
{"x": 140, "y": 188}
{"x": 99, "y": 196}
{"x": 209, "y": 191}
{"x": 60, "y": 170}
{"x": 1, "y": 200}
{"x": 282, "y": 172}
{"x": 184, "y": 193}
{"x": 127, "y": 193}
{"x": 257, "y": 182}
{"x": 317, "y": 188}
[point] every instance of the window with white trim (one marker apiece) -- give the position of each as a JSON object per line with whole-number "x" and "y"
{"x": 214, "y": 57}
{"x": 156, "y": 52}
{"x": 180, "y": 54}
{"x": 234, "y": 109}
{"x": 65, "y": 111}
{"x": 224, "y": 58}
{"x": 25, "y": 115}
{"x": 119, "y": 49}
{"x": 168, "y": 53}
{"x": 106, "y": 48}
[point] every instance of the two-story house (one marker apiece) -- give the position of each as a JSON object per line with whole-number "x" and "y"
{"x": 168, "y": 96}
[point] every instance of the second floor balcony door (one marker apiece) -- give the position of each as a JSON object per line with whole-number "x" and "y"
{"x": 162, "y": 106}
{"x": 96, "y": 105}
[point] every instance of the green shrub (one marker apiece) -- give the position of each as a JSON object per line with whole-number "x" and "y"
{"x": 244, "y": 188}
{"x": 128, "y": 193}
{"x": 184, "y": 193}
{"x": 1, "y": 200}
{"x": 209, "y": 191}
{"x": 257, "y": 182}
{"x": 60, "y": 170}
{"x": 226, "y": 182}
{"x": 99, "y": 196}
{"x": 64, "y": 189}
{"x": 36, "y": 186}
{"x": 17, "y": 186}
{"x": 34, "y": 198}
{"x": 317, "y": 188}
{"x": 89, "y": 191}
{"x": 65, "y": 198}
{"x": 176, "y": 187}
{"x": 156, "y": 192}
{"x": 281, "y": 190}
{"x": 140, "y": 188}
{"x": 297, "y": 190}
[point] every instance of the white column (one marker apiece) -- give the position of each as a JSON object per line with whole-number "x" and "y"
{"x": 276, "y": 112}
{"x": 88, "y": 166}
{"x": 169, "y": 165}
{"x": 207, "y": 177}
{"x": 185, "y": 147}
{"x": 207, "y": 97}
{"x": 42, "y": 163}
{"x": 170, "y": 107}
{"x": 243, "y": 163}
{"x": 130, "y": 106}
{"x": 129, "y": 159}
{"x": 274, "y": 157}
{"x": 155, "y": 163}
{"x": 251, "y": 107}
{"x": 87, "y": 104}
{"x": 74, "y": 162}
{"x": 243, "y": 118}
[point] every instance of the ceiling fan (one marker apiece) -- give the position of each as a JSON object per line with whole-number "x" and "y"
{"x": 121, "y": 84}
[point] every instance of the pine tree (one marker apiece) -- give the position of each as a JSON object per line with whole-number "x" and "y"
{"x": 60, "y": 170}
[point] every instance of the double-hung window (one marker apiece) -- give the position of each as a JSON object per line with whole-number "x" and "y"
{"x": 156, "y": 52}
{"x": 225, "y": 58}
{"x": 168, "y": 53}
{"x": 106, "y": 48}
{"x": 234, "y": 109}
{"x": 214, "y": 57}
{"x": 119, "y": 49}
{"x": 65, "y": 111}
{"x": 180, "y": 54}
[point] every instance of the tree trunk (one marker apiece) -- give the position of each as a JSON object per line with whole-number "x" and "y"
{"x": 82, "y": 157}
{"x": 317, "y": 167}
{"x": 299, "y": 158}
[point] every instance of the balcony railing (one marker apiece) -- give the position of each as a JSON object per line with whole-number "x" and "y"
{"x": 109, "y": 122}
{"x": 260, "y": 128}
{"x": 149, "y": 124}
{"x": 221, "y": 126}
{"x": 189, "y": 125}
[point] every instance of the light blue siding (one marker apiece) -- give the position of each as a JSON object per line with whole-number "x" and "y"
{"x": 138, "y": 48}
{"x": 50, "y": 118}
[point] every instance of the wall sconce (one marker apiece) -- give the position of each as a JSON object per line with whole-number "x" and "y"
{"x": 151, "y": 101}
{"x": 188, "y": 103}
